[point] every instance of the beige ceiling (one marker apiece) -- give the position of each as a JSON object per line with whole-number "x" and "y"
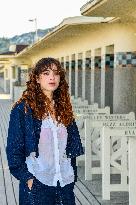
{"x": 125, "y": 9}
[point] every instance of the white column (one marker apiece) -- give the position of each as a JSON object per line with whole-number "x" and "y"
{"x": 5, "y": 86}
{"x": 132, "y": 168}
{"x": 70, "y": 58}
{"x": 92, "y": 75}
{"x": 114, "y": 81}
{"x": 105, "y": 164}
{"x": 88, "y": 150}
{"x": 83, "y": 74}
{"x": 11, "y": 84}
{"x": 76, "y": 75}
{"x": 102, "y": 77}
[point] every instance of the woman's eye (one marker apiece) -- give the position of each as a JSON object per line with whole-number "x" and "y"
{"x": 56, "y": 72}
{"x": 46, "y": 73}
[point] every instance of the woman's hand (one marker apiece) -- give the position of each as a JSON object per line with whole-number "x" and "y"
{"x": 30, "y": 183}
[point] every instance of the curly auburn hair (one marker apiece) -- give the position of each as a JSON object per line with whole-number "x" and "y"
{"x": 39, "y": 102}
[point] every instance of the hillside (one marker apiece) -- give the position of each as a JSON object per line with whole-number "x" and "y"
{"x": 25, "y": 38}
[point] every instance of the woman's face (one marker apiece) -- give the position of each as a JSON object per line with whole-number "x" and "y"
{"x": 49, "y": 79}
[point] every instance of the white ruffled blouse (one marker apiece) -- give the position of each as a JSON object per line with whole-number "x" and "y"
{"x": 52, "y": 163}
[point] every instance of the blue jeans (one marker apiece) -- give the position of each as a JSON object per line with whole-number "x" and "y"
{"x": 65, "y": 195}
{"x": 41, "y": 194}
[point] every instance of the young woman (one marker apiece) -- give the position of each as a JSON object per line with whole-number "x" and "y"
{"x": 43, "y": 139}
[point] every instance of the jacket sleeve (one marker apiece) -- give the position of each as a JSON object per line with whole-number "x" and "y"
{"x": 15, "y": 148}
{"x": 74, "y": 145}
{"x": 73, "y": 163}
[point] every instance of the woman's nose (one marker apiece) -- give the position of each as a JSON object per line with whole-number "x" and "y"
{"x": 52, "y": 75}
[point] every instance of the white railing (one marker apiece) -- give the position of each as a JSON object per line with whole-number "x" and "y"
{"x": 109, "y": 139}
{"x": 89, "y": 109}
{"x": 93, "y": 111}
{"x": 93, "y": 152}
{"x": 127, "y": 155}
{"x": 78, "y": 101}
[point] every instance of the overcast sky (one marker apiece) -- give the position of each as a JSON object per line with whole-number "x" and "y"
{"x": 15, "y": 14}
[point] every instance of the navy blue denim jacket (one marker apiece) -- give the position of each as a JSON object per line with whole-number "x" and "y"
{"x": 23, "y": 138}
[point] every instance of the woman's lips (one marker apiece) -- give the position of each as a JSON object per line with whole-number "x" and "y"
{"x": 52, "y": 84}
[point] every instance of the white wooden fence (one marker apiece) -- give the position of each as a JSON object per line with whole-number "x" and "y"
{"x": 93, "y": 140}
{"x": 127, "y": 155}
{"x": 80, "y": 123}
{"x": 109, "y": 139}
{"x": 78, "y": 101}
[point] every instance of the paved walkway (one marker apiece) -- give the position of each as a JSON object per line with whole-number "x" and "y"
{"x": 86, "y": 192}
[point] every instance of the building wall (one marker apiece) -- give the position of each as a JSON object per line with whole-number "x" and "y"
{"x": 123, "y": 37}
{"x": 125, "y": 83}
{"x": 96, "y": 36}
{"x": 120, "y": 64}
{"x": 17, "y": 92}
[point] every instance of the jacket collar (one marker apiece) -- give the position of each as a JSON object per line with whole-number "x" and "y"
{"x": 32, "y": 127}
